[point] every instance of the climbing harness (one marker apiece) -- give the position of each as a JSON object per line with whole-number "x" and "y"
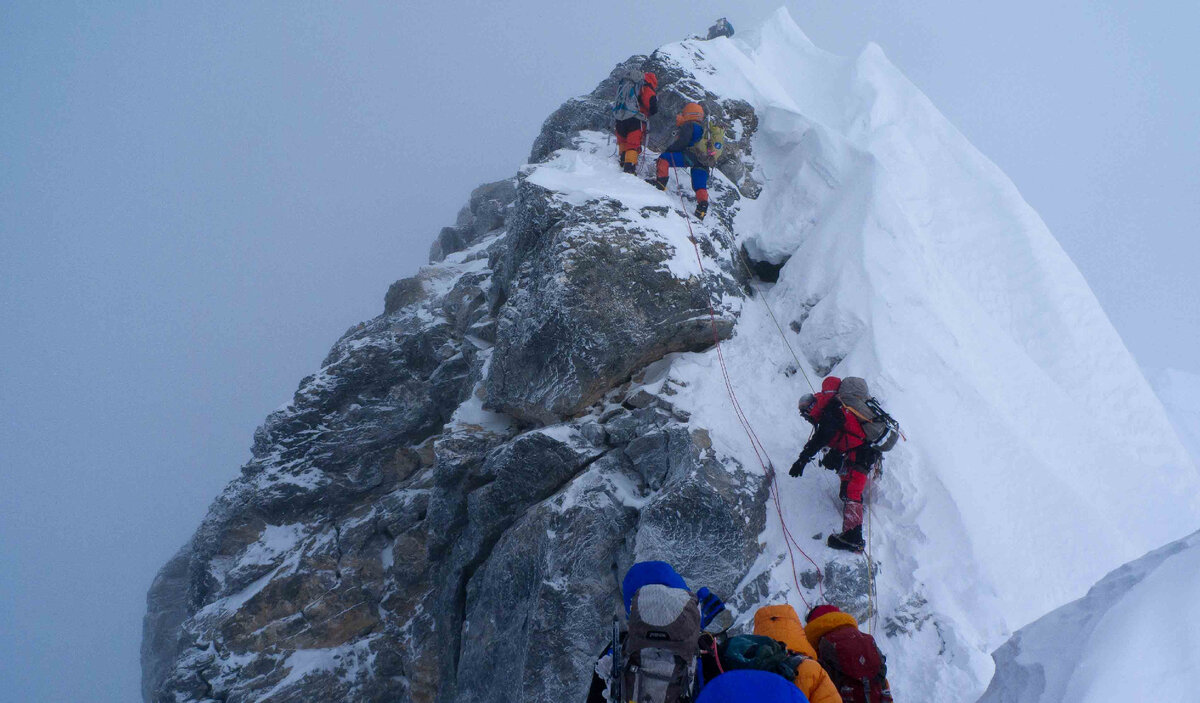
{"x": 715, "y": 653}
{"x": 760, "y": 451}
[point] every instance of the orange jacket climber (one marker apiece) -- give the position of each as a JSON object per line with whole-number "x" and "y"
{"x": 780, "y": 622}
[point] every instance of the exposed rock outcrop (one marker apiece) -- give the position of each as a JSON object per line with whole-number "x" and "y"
{"x": 572, "y": 325}
{"x": 485, "y": 212}
{"x": 402, "y": 534}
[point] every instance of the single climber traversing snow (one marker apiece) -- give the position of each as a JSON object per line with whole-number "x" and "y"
{"x": 696, "y": 143}
{"x": 855, "y": 431}
{"x": 636, "y": 102}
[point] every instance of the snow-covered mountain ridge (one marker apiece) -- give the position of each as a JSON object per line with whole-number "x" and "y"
{"x": 543, "y": 405}
{"x": 1132, "y": 637}
{"x": 1180, "y": 394}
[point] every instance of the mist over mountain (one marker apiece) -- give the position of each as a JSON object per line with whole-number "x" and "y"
{"x": 446, "y": 507}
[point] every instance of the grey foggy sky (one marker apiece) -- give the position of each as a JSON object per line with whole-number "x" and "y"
{"x": 197, "y": 199}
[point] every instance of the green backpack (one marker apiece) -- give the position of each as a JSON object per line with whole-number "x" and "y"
{"x": 761, "y": 653}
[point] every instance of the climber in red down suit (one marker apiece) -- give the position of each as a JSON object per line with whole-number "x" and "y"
{"x": 839, "y": 429}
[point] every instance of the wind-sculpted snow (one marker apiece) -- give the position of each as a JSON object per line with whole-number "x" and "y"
{"x": 445, "y": 509}
{"x": 1132, "y": 637}
{"x": 1037, "y": 457}
{"x": 1180, "y": 394}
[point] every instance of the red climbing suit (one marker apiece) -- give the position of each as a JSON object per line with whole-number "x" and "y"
{"x": 829, "y": 389}
{"x": 854, "y": 484}
{"x": 850, "y": 437}
{"x": 839, "y": 429}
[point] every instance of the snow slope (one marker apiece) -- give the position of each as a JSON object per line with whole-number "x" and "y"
{"x": 1131, "y": 638}
{"x": 1180, "y": 395}
{"x": 914, "y": 262}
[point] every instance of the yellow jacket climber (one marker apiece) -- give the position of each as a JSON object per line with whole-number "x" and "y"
{"x": 780, "y": 622}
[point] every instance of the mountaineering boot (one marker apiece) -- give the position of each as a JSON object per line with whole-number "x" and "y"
{"x": 701, "y": 209}
{"x": 660, "y": 183}
{"x": 848, "y": 541}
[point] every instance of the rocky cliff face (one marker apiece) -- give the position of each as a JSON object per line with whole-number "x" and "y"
{"x": 444, "y": 510}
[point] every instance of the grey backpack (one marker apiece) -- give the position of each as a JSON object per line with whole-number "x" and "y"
{"x": 626, "y": 103}
{"x": 662, "y": 646}
{"x": 881, "y": 430}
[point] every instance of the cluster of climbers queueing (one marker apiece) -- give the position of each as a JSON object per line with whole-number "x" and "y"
{"x": 677, "y": 648}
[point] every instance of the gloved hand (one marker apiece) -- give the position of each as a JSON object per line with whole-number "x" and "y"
{"x": 797, "y": 469}
{"x": 712, "y": 610}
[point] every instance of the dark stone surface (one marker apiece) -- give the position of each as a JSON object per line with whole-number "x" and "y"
{"x": 485, "y": 211}
{"x": 571, "y": 326}
{"x": 379, "y": 548}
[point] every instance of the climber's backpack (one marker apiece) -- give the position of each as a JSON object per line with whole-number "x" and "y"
{"x": 629, "y": 87}
{"x": 855, "y": 664}
{"x": 662, "y": 645}
{"x": 880, "y": 430}
{"x": 708, "y": 150}
{"x": 759, "y": 652}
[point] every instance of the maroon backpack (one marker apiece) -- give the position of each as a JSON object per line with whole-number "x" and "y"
{"x": 855, "y": 664}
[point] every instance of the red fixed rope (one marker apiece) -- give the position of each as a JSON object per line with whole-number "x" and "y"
{"x": 760, "y": 451}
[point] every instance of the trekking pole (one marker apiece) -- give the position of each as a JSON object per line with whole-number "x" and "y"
{"x": 611, "y": 137}
{"x": 616, "y": 685}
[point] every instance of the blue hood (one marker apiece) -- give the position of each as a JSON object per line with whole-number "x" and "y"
{"x": 645, "y": 573}
{"x": 751, "y": 686}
